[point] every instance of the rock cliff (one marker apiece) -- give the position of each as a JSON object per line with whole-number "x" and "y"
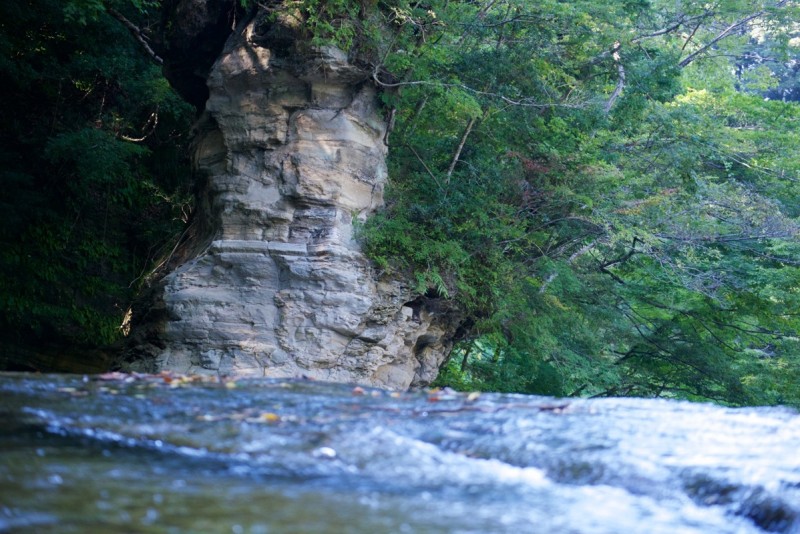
{"x": 270, "y": 280}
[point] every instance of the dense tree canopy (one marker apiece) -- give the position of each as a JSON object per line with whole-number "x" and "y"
{"x": 608, "y": 190}
{"x": 91, "y": 162}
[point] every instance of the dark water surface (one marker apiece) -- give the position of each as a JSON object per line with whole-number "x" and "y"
{"x": 156, "y": 454}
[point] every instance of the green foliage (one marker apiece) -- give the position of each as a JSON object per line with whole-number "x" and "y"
{"x": 331, "y": 21}
{"x": 637, "y": 244}
{"x": 608, "y": 191}
{"x": 92, "y": 170}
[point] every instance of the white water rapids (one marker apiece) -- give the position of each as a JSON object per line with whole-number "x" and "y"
{"x": 156, "y": 454}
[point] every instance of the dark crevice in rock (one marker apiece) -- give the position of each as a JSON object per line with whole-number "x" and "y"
{"x": 190, "y": 38}
{"x": 416, "y": 306}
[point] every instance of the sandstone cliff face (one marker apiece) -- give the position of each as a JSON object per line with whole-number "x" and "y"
{"x": 272, "y": 283}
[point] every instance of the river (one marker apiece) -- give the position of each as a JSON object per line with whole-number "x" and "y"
{"x": 153, "y": 454}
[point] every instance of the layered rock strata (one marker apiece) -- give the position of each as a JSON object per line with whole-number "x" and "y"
{"x": 273, "y": 283}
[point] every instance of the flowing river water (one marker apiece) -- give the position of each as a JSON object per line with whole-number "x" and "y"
{"x": 170, "y": 454}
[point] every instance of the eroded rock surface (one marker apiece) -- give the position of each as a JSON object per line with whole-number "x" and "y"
{"x": 272, "y": 282}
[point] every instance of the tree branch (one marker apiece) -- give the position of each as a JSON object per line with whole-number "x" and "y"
{"x": 622, "y": 259}
{"x": 523, "y": 102}
{"x": 430, "y": 173}
{"x": 136, "y": 32}
{"x": 457, "y": 154}
{"x": 620, "y": 78}
{"x": 729, "y": 238}
{"x": 392, "y": 116}
{"x": 152, "y": 122}
{"x": 691, "y": 36}
{"x": 724, "y": 33}
{"x": 682, "y": 21}
{"x": 577, "y": 254}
